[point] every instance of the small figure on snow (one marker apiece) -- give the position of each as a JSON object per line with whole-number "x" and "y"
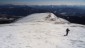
{"x": 67, "y": 31}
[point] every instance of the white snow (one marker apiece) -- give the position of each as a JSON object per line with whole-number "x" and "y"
{"x": 42, "y": 17}
{"x": 41, "y": 35}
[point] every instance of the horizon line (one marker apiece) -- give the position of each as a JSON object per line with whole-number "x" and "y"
{"x": 44, "y": 3}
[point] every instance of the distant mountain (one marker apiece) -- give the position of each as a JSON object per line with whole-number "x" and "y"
{"x": 23, "y": 10}
{"x": 74, "y": 14}
{"x": 18, "y": 10}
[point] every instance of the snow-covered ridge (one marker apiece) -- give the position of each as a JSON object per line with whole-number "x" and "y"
{"x": 42, "y": 17}
{"x": 41, "y": 34}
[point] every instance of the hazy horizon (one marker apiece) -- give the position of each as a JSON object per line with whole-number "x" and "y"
{"x": 43, "y": 2}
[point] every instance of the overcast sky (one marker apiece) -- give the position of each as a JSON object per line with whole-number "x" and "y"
{"x": 44, "y": 2}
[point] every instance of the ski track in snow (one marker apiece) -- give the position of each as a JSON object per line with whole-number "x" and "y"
{"x": 41, "y": 35}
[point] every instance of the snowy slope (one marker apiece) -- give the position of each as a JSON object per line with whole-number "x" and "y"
{"x": 42, "y": 17}
{"x": 41, "y": 35}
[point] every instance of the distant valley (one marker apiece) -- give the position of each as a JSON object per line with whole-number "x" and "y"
{"x": 10, "y": 13}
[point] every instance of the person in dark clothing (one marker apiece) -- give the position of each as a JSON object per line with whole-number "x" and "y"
{"x": 67, "y": 31}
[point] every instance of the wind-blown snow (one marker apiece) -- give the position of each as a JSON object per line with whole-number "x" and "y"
{"x": 42, "y": 17}
{"x": 41, "y": 35}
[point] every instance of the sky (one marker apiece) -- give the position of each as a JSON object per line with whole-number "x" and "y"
{"x": 44, "y": 2}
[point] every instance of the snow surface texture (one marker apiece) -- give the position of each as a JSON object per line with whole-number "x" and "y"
{"x": 42, "y": 17}
{"x": 41, "y": 35}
